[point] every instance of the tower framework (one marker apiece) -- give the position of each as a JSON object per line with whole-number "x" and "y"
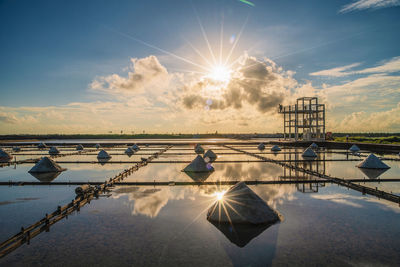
{"x": 305, "y": 120}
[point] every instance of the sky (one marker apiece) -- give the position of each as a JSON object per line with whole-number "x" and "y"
{"x": 183, "y": 66}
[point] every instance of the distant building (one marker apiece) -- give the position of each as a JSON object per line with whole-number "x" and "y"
{"x": 305, "y": 120}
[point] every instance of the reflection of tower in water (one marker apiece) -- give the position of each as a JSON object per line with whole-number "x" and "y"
{"x": 292, "y": 156}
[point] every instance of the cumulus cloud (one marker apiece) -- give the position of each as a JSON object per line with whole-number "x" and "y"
{"x": 368, "y": 4}
{"x": 8, "y": 118}
{"x": 388, "y": 120}
{"x": 262, "y": 84}
{"x": 182, "y": 102}
{"x": 143, "y": 73}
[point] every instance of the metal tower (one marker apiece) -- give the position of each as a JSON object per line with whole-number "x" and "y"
{"x": 305, "y": 120}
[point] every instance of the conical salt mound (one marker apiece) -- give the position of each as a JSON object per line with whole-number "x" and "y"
{"x": 275, "y": 148}
{"x": 129, "y": 151}
{"x": 5, "y": 156}
{"x": 240, "y": 205}
{"x": 198, "y": 165}
{"x": 42, "y": 145}
{"x": 314, "y": 146}
{"x": 261, "y": 146}
{"x": 135, "y": 147}
{"x": 46, "y": 165}
{"x": 372, "y": 162}
{"x": 309, "y": 153}
{"x": 211, "y": 155}
{"x": 53, "y": 150}
{"x": 97, "y": 146}
{"x": 79, "y": 147}
{"x": 103, "y": 155}
{"x": 198, "y": 149}
{"x": 354, "y": 148}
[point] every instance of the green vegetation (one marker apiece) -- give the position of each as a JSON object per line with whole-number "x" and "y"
{"x": 373, "y": 140}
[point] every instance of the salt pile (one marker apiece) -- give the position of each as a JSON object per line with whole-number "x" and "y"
{"x": 243, "y": 206}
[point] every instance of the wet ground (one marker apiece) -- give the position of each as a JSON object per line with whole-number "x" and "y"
{"x": 324, "y": 224}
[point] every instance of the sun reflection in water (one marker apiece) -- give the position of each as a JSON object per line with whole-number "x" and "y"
{"x": 220, "y": 195}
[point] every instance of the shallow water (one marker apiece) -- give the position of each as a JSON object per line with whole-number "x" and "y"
{"x": 168, "y": 226}
{"x": 324, "y": 224}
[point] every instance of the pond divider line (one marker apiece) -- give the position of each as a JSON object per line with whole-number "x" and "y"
{"x": 343, "y": 182}
{"x": 37, "y": 159}
{"x": 292, "y": 180}
{"x": 188, "y": 161}
{"x": 26, "y": 234}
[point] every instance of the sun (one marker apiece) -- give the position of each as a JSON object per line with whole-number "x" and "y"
{"x": 220, "y": 73}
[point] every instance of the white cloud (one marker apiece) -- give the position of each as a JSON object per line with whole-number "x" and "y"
{"x": 368, "y": 4}
{"x": 8, "y": 118}
{"x": 145, "y": 72}
{"x": 388, "y": 120}
{"x": 335, "y": 72}
{"x": 387, "y": 66}
{"x": 161, "y": 101}
{"x": 262, "y": 84}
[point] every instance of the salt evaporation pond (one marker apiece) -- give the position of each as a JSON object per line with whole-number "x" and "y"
{"x": 324, "y": 224}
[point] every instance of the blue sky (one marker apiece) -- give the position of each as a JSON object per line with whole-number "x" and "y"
{"x": 52, "y": 52}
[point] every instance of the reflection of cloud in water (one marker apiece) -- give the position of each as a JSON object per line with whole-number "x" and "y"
{"x": 349, "y": 200}
{"x": 275, "y": 194}
{"x": 338, "y": 198}
{"x": 241, "y": 171}
{"x": 97, "y": 167}
{"x": 148, "y": 201}
{"x": 160, "y": 171}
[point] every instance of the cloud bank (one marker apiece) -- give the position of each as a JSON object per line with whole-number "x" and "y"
{"x": 259, "y": 83}
{"x": 148, "y": 97}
